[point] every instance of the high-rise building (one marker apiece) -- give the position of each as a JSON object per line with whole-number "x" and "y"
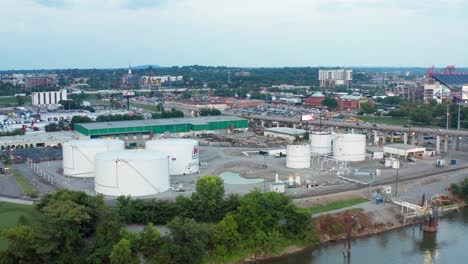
{"x": 48, "y": 98}
{"x": 335, "y": 77}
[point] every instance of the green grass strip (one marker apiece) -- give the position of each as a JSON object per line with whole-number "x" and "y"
{"x": 22, "y": 182}
{"x": 147, "y": 107}
{"x": 336, "y": 205}
{"x": 11, "y": 213}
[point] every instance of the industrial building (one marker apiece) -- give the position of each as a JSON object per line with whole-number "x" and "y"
{"x": 175, "y": 126}
{"x": 39, "y": 81}
{"x": 438, "y": 92}
{"x": 335, "y": 77}
{"x": 404, "y": 150}
{"x": 39, "y": 139}
{"x": 48, "y": 98}
{"x": 287, "y": 133}
{"x": 315, "y": 99}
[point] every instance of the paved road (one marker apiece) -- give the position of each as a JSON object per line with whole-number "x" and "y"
{"x": 342, "y": 124}
{"x": 36, "y": 181}
{"x": 16, "y": 200}
{"x": 8, "y": 186}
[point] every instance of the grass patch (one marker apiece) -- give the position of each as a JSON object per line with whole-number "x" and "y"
{"x": 397, "y": 121}
{"x": 10, "y": 215}
{"x": 337, "y": 205}
{"x": 12, "y": 101}
{"x": 22, "y": 182}
{"x": 147, "y": 107}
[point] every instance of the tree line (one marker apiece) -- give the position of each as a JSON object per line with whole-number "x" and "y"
{"x": 208, "y": 227}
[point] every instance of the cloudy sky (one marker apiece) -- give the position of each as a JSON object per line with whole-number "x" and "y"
{"x": 113, "y": 33}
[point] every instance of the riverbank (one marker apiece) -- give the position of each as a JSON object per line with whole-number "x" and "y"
{"x": 372, "y": 230}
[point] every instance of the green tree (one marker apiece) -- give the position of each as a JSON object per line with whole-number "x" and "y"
{"x": 149, "y": 240}
{"x": 422, "y": 115}
{"x": 330, "y": 103}
{"x": 226, "y": 239}
{"x": 208, "y": 197}
{"x": 186, "y": 95}
{"x": 22, "y": 245}
{"x": 80, "y": 119}
{"x": 368, "y": 108}
{"x": 20, "y": 100}
{"x": 189, "y": 240}
{"x": 107, "y": 234}
{"x": 122, "y": 253}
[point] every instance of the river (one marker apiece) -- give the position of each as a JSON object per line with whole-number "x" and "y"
{"x": 401, "y": 246}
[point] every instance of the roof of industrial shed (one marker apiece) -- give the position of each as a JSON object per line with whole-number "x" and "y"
{"x": 286, "y": 130}
{"x": 403, "y": 146}
{"x": 317, "y": 94}
{"x": 40, "y": 136}
{"x": 350, "y": 97}
{"x": 451, "y": 79}
{"x": 160, "y": 122}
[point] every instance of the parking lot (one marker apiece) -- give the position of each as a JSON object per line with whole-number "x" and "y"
{"x": 36, "y": 154}
{"x": 280, "y": 111}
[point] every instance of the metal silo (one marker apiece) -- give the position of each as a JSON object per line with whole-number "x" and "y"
{"x": 131, "y": 172}
{"x": 349, "y": 147}
{"x": 78, "y": 155}
{"x": 321, "y": 143}
{"x": 183, "y": 154}
{"x": 298, "y": 156}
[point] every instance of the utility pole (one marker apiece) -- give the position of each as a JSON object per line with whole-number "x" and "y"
{"x": 448, "y": 115}
{"x": 458, "y": 125}
{"x": 397, "y": 178}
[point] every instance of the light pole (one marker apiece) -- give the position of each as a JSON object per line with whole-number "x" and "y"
{"x": 448, "y": 115}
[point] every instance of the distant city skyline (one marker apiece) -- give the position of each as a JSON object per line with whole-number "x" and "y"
{"x": 58, "y": 34}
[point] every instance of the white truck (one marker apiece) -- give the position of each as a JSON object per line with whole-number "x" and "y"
{"x": 277, "y": 153}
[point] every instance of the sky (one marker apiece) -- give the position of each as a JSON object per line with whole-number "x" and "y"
{"x": 53, "y": 34}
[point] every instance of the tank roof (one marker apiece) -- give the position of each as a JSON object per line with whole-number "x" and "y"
{"x": 132, "y": 154}
{"x": 95, "y": 142}
{"x": 172, "y": 141}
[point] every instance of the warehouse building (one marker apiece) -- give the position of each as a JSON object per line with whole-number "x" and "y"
{"x": 287, "y": 133}
{"x": 404, "y": 150}
{"x": 145, "y": 129}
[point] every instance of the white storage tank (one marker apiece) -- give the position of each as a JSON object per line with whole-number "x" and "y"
{"x": 321, "y": 143}
{"x": 183, "y": 154}
{"x": 78, "y": 155}
{"x": 131, "y": 172}
{"x": 349, "y": 147}
{"x": 298, "y": 156}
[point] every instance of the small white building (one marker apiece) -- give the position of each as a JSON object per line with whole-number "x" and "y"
{"x": 375, "y": 153}
{"x": 287, "y": 133}
{"x": 404, "y": 150}
{"x": 277, "y": 187}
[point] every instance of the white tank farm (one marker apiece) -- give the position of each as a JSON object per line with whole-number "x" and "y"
{"x": 349, "y": 147}
{"x": 298, "y": 156}
{"x": 321, "y": 143}
{"x": 78, "y": 155}
{"x": 131, "y": 172}
{"x": 183, "y": 154}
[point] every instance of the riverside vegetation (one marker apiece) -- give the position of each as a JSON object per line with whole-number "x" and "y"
{"x": 208, "y": 227}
